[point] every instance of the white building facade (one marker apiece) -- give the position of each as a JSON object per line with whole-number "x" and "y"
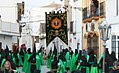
{"x": 112, "y": 17}
{"x": 35, "y": 27}
{"x": 76, "y": 25}
{"x": 37, "y": 16}
{"x": 38, "y": 26}
{"x": 9, "y": 28}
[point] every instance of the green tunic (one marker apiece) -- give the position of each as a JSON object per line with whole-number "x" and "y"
{"x": 61, "y": 68}
{"x": 87, "y": 68}
{"x": 73, "y": 62}
{"x": 94, "y": 69}
{"x": 13, "y": 58}
{"x": 99, "y": 62}
{"x": 26, "y": 65}
{"x": 2, "y": 63}
{"x": 50, "y": 61}
{"x": 67, "y": 57}
{"x": 20, "y": 60}
{"x": 80, "y": 67}
{"x": 39, "y": 61}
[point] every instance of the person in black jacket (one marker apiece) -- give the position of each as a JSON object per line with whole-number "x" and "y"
{"x": 111, "y": 60}
{"x": 83, "y": 64}
{"x": 107, "y": 57}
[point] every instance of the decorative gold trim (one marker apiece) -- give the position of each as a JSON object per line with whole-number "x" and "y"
{"x": 91, "y": 33}
{"x": 56, "y": 26}
{"x": 96, "y": 33}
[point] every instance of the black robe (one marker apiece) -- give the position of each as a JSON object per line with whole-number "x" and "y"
{"x": 54, "y": 64}
{"x": 32, "y": 60}
{"x": 84, "y": 64}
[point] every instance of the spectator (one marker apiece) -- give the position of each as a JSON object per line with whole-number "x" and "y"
{"x": 115, "y": 69}
{"x": 7, "y": 68}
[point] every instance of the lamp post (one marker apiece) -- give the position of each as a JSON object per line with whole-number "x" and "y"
{"x": 105, "y": 31}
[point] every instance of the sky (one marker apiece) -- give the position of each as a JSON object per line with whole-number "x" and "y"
{"x": 29, "y": 4}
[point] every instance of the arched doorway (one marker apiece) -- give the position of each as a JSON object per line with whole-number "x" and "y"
{"x": 93, "y": 42}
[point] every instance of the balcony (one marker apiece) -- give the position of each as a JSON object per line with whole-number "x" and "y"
{"x": 85, "y": 16}
{"x": 8, "y": 28}
{"x": 93, "y": 13}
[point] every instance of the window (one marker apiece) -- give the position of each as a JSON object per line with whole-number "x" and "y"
{"x": 37, "y": 39}
{"x": 118, "y": 49}
{"x": 42, "y": 28}
{"x": 95, "y": 42}
{"x": 75, "y": 0}
{"x": 116, "y": 7}
{"x": 118, "y": 37}
{"x": 113, "y": 43}
{"x": 86, "y": 27}
{"x": 89, "y": 41}
{"x": 92, "y": 10}
{"x": 71, "y": 27}
{"x": 102, "y": 6}
{"x": 84, "y": 13}
{"x": 0, "y": 45}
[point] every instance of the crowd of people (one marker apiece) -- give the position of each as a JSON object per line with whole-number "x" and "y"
{"x": 65, "y": 61}
{"x": 81, "y": 61}
{"x": 30, "y": 62}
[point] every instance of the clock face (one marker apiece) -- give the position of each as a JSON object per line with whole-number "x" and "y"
{"x": 56, "y": 23}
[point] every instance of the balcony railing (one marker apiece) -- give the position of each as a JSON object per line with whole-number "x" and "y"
{"x": 95, "y": 13}
{"x": 9, "y": 28}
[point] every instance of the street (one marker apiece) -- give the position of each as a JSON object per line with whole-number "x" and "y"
{"x": 44, "y": 69}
